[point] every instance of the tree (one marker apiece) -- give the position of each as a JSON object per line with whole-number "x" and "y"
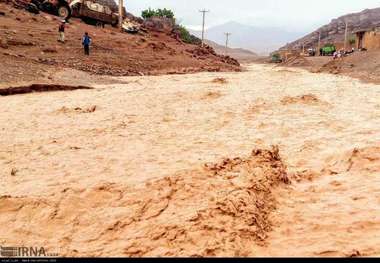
{"x": 148, "y": 13}
{"x": 165, "y": 13}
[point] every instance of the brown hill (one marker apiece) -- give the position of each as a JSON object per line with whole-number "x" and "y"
{"x": 242, "y": 55}
{"x": 29, "y": 50}
{"x": 334, "y": 31}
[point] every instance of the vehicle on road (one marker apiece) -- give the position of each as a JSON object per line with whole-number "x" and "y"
{"x": 311, "y": 52}
{"x": 276, "y": 58}
{"x": 328, "y": 50}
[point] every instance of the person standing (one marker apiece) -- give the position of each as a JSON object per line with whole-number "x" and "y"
{"x": 61, "y": 31}
{"x": 86, "y": 41}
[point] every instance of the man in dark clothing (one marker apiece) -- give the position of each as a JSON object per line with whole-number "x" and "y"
{"x": 61, "y": 30}
{"x": 86, "y": 41}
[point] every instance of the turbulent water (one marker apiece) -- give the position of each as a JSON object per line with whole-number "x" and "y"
{"x": 265, "y": 162}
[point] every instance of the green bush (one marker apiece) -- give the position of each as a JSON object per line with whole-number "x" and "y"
{"x": 185, "y": 34}
{"x": 148, "y": 13}
{"x": 165, "y": 13}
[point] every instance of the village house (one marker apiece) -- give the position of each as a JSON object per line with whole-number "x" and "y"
{"x": 368, "y": 38}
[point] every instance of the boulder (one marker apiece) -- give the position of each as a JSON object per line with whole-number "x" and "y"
{"x": 159, "y": 24}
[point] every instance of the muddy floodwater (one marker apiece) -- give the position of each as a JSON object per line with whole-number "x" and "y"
{"x": 266, "y": 162}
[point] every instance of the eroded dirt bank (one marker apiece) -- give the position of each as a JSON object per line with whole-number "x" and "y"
{"x": 38, "y": 88}
{"x": 182, "y": 165}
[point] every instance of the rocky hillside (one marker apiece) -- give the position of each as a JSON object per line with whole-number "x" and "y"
{"x": 334, "y": 32}
{"x": 29, "y": 49}
{"x": 242, "y": 55}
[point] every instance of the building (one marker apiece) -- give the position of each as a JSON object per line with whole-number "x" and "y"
{"x": 368, "y": 38}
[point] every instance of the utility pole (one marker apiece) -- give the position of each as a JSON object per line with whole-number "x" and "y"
{"x": 303, "y": 49}
{"x": 227, "y": 38}
{"x": 121, "y": 15}
{"x": 346, "y": 37}
{"x": 319, "y": 43}
{"x": 204, "y": 11}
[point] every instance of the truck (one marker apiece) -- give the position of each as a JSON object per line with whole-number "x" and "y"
{"x": 60, "y": 8}
{"x": 311, "y": 52}
{"x": 94, "y": 12}
{"x": 328, "y": 50}
{"x": 276, "y": 58}
{"x": 97, "y": 12}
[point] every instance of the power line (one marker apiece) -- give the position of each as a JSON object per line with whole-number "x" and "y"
{"x": 303, "y": 48}
{"x": 204, "y": 11}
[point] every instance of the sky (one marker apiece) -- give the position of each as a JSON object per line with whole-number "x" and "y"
{"x": 291, "y": 15}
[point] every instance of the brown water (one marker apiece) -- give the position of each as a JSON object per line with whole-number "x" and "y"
{"x": 157, "y": 127}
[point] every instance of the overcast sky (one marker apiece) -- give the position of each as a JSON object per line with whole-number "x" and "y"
{"x": 295, "y": 15}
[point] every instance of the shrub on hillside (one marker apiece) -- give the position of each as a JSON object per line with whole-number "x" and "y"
{"x": 148, "y": 13}
{"x": 183, "y": 33}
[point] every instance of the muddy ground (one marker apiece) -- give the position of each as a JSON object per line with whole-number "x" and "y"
{"x": 29, "y": 50}
{"x": 364, "y": 65}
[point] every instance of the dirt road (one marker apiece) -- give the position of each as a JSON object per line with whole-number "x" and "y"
{"x": 135, "y": 169}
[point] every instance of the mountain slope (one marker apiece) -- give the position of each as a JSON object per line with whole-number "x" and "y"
{"x": 259, "y": 39}
{"x": 334, "y": 31}
{"x": 242, "y": 55}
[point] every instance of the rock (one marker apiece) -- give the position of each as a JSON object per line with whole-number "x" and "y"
{"x": 16, "y": 42}
{"x": 14, "y": 171}
{"x": 2, "y": 13}
{"x": 157, "y": 46}
{"x": 3, "y": 43}
{"x": 48, "y": 18}
{"x": 159, "y": 24}
{"x": 49, "y": 50}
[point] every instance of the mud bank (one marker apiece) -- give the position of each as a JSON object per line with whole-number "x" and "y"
{"x": 38, "y": 88}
